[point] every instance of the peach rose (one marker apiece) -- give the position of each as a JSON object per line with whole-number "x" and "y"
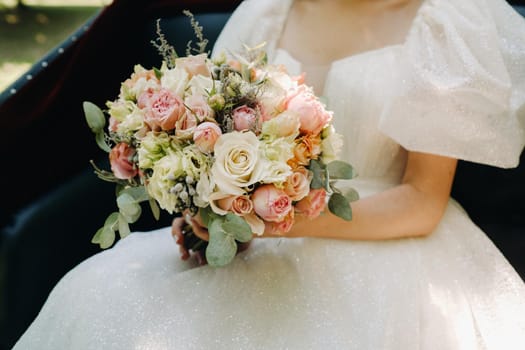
{"x": 245, "y": 118}
{"x": 138, "y": 74}
{"x": 281, "y": 227}
{"x": 205, "y": 135}
{"x": 313, "y": 204}
{"x": 162, "y": 109}
{"x": 297, "y": 186}
{"x": 121, "y": 161}
{"x": 271, "y": 203}
{"x": 308, "y": 147}
{"x": 311, "y": 111}
{"x": 194, "y": 65}
{"x": 240, "y": 205}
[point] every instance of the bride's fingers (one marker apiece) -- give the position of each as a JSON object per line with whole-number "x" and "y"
{"x": 176, "y": 232}
{"x": 199, "y": 230}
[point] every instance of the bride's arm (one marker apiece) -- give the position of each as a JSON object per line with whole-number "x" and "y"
{"x": 411, "y": 209}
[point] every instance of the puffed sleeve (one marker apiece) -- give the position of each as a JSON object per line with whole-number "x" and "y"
{"x": 462, "y": 83}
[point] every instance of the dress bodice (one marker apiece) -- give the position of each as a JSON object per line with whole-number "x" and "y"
{"x": 355, "y": 88}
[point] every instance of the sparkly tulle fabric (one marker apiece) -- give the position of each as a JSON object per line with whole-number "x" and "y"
{"x": 455, "y": 87}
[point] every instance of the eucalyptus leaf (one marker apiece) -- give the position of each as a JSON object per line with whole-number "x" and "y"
{"x": 94, "y": 116}
{"x": 319, "y": 174}
{"x": 221, "y": 247}
{"x": 129, "y": 207}
{"x": 340, "y": 206}
{"x": 123, "y": 227}
{"x": 351, "y": 194}
{"x": 112, "y": 220}
{"x": 207, "y": 215}
{"x": 338, "y": 169}
{"x": 100, "y": 138}
{"x": 154, "y": 208}
{"x": 238, "y": 227}
{"x": 104, "y": 237}
{"x": 138, "y": 193}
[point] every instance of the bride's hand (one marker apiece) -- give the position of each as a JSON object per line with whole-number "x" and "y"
{"x": 178, "y": 227}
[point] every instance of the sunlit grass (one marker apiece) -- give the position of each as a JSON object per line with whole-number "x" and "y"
{"x": 10, "y": 71}
{"x": 27, "y": 34}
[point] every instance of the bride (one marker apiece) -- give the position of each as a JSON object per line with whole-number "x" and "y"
{"x": 414, "y": 86}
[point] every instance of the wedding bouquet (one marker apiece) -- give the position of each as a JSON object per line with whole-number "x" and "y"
{"x": 241, "y": 142}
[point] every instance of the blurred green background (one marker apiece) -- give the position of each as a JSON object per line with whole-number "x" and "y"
{"x": 31, "y": 28}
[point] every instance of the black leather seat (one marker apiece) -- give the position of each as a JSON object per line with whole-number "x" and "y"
{"x": 52, "y": 203}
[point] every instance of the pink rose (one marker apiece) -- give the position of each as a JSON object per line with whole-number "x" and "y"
{"x": 199, "y": 107}
{"x": 121, "y": 161}
{"x": 271, "y": 203}
{"x": 245, "y": 118}
{"x": 281, "y": 227}
{"x": 240, "y": 205}
{"x": 144, "y": 98}
{"x": 297, "y": 186}
{"x": 194, "y": 65}
{"x": 162, "y": 109}
{"x": 205, "y": 135}
{"x": 313, "y": 204}
{"x": 312, "y": 114}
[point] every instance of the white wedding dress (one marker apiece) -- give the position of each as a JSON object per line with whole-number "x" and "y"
{"x": 453, "y": 87}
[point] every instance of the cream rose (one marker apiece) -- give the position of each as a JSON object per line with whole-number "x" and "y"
{"x": 236, "y": 162}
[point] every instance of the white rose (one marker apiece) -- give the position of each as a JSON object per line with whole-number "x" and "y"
{"x": 204, "y": 189}
{"x": 132, "y": 122}
{"x": 284, "y": 124}
{"x": 153, "y": 147}
{"x": 331, "y": 144}
{"x": 143, "y": 84}
{"x": 165, "y": 171}
{"x": 274, "y": 172}
{"x": 237, "y": 162}
{"x": 200, "y": 85}
{"x": 175, "y": 80}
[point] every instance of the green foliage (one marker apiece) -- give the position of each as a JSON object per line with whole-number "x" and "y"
{"x": 340, "y": 206}
{"x": 105, "y": 236}
{"x": 224, "y": 232}
{"x": 320, "y": 174}
{"x": 201, "y": 41}
{"x": 128, "y": 202}
{"x": 340, "y": 170}
{"x": 324, "y": 176}
{"x": 96, "y": 121}
{"x": 165, "y": 49}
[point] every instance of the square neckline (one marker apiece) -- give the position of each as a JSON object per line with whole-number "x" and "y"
{"x": 330, "y": 65}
